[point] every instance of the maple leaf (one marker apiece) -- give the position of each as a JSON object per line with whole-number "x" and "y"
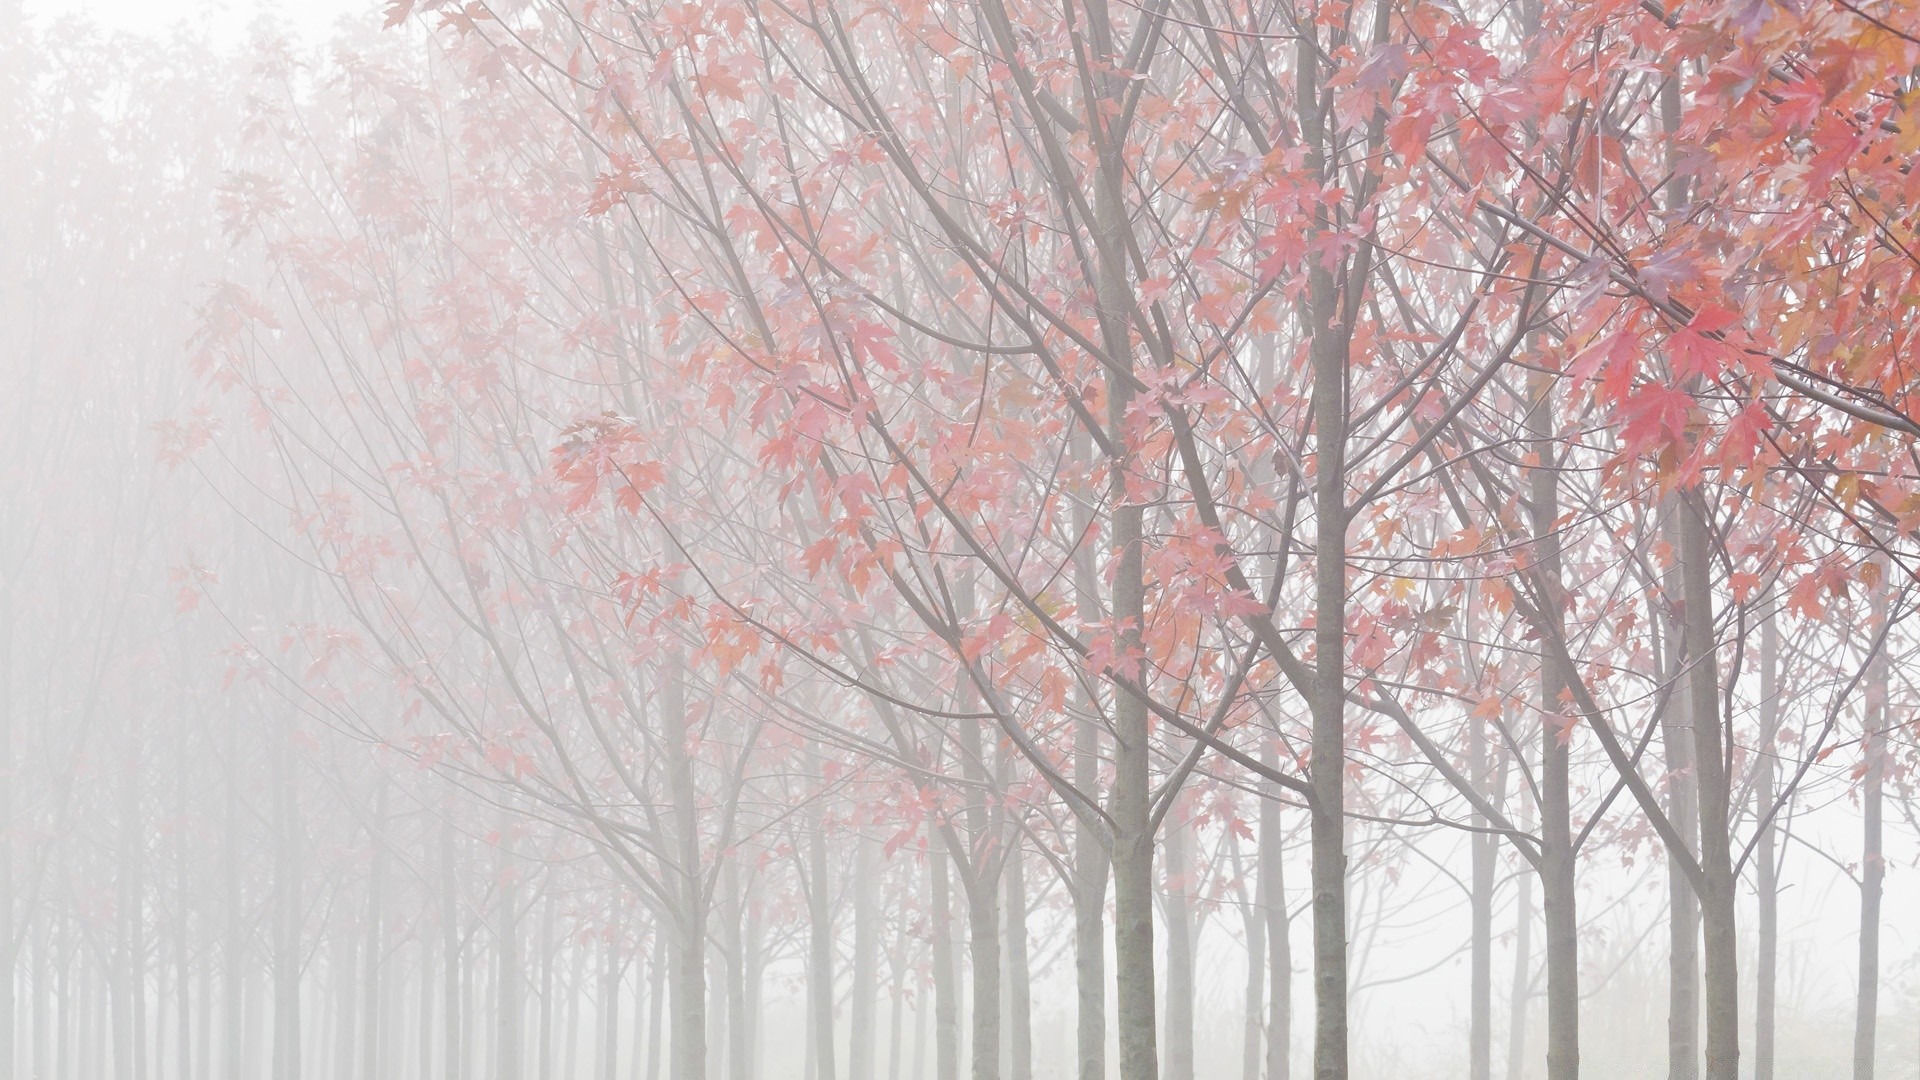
{"x": 1654, "y": 414}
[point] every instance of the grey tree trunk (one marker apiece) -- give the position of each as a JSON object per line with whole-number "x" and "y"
{"x": 983, "y": 944}
{"x": 866, "y": 960}
{"x": 1326, "y": 768}
{"x": 946, "y": 990}
{"x": 688, "y": 974}
{"x": 508, "y": 997}
{"x": 1766, "y": 862}
{"x": 1556, "y": 801}
{"x": 1254, "y": 925}
{"x": 1683, "y": 917}
{"x": 1722, "y": 983}
{"x": 820, "y": 951}
{"x": 1019, "y": 976}
{"x": 371, "y": 963}
{"x": 1179, "y": 918}
{"x": 1278, "y": 934}
{"x": 1872, "y": 864}
{"x": 454, "y": 1055}
{"x": 286, "y": 918}
{"x": 1480, "y": 931}
{"x": 1522, "y": 992}
{"x": 740, "y": 976}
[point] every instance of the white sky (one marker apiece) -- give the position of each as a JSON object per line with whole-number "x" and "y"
{"x": 225, "y": 20}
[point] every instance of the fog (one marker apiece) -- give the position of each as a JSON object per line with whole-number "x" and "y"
{"x": 561, "y": 539}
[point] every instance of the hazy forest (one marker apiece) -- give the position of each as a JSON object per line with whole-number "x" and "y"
{"x": 911, "y": 539}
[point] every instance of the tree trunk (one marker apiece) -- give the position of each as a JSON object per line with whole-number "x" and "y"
{"x": 1178, "y": 879}
{"x": 1872, "y": 864}
{"x": 1683, "y": 919}
{"x": 866, "y": 943}
{"x": 1019, "y": 977}
{"x": 740, "y": 966}
{"x": 547, "y": 960}
{"x": 1557, "y": 880}
{"x": 983, "y": 947}
{"x": 946, "y": 994}
{"x": 820, "y": 928}
{"x": 507, "y": 977}
{"x": 1766, "y": 863}
{"x": 607, "y": 1009}
{"x": 1716, "y": 849}
{"x": 455, "y": 1063}
{"x": 1326, "y": 767}
{"x": 1522, "y": 993}
{"x": 288, "y": 855}
{"x": 688, "y": 974}
{"x": 1279, "y": 933}
{"x": 371, "y": 964}
{"x": 1255, "y": 929}
{"x": 1480, "y": 931}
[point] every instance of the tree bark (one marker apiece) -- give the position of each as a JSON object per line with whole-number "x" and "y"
{"x": 1279, "y": 933}
{"x": 1522, "y": 992}
{"x": 1557, "y": 882}
{"x": 1717, "y": 899}
{"x": 946, "y": 991}
{"x": 1480, "y": 931}
{"x": 688, "y": 969}
{"x": 286, "y": 919}
{"x": 820, "y": 938}
{"x": 1177, "y": 876}
{"x": 1872, "y": 863}
{"x": 371, "y": 963}
{"x": 1019, "y": 977}
{"x": 1766, "y": 862}
{"x": 1255, "y": 929}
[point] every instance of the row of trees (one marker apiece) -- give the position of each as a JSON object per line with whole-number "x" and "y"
{"x": 723, "y": 503}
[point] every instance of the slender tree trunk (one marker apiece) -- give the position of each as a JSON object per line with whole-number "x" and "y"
{"x": 688, "y": 977}
{"x": 1255, "y": 929}
{"x": 607, "y": 1009}
{"x": 820, "y": 991}
{"x": 1132, "y": 852}
{"x": 656, "y": 998}
{"x": 1683, "y": 915}
{"x": 1480, "y": 930}
{"x": 509, "y": 1002}
{"x": 866, "y": 947}
{"x": 897, "y": 958}
{"x": 1179, "y": 917}
{"x": 983, "y": 948}
{"x": 372, "y": 961}
{"x": 1766, "y": 862}
{"x": 423, "y": 1035}
{"x": 1019, "y": 977}
{"x": 455, "y": 1057}
{"x": 1872, "y": 864}
{"x": 288, "y": 853}
{"x": 1716, "y": 849}
{"x": 739, "y": 975}
{"x": 946, "y": 994}
{"x": 1522, "y": 992}
{"x": 344, "y": 973}
{"x": 1091, "y": 859}
{"x": 547, "y": 959}
{"x": 1327, "y": 700}
{"x": 1279, "y": 931}
{"x": 1557, "y": 882}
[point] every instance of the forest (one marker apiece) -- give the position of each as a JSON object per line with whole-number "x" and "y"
{"x": 910, "y": 539}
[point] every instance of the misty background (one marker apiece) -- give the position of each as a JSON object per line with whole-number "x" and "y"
{"x": 228, "y": 817}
